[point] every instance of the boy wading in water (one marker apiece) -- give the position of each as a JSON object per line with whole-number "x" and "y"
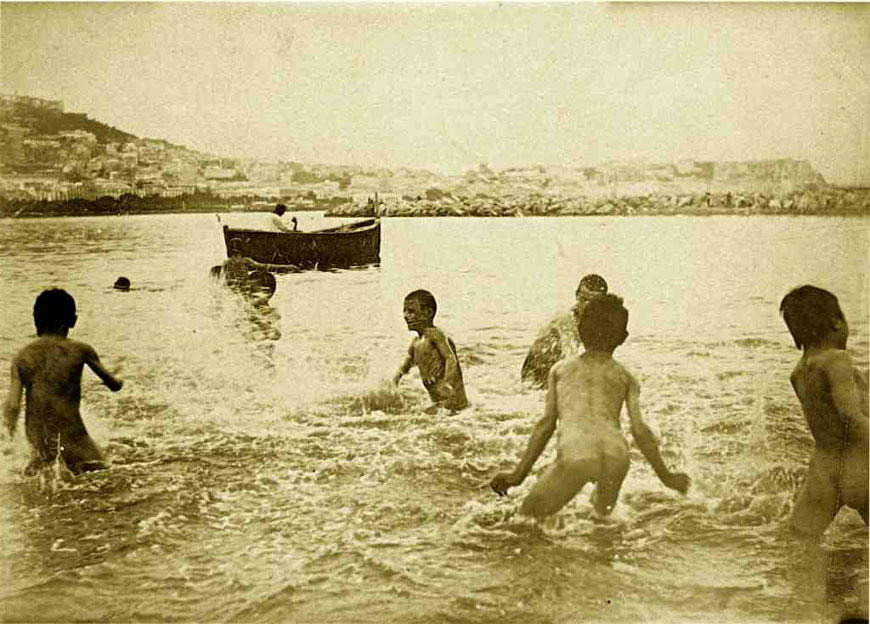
{"x": 433, "y": 353}
{"x": 49, "y": 370}
{"x": 585, "y": 395}
{"x": 834, "y": 399}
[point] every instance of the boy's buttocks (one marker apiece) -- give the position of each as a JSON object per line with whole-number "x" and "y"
{"x": 589, "y": 441}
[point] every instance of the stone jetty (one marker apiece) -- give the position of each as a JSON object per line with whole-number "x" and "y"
{"x": 826, "y": 201}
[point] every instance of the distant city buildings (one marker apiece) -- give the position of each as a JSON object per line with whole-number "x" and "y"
{"x": 47, "y": 154}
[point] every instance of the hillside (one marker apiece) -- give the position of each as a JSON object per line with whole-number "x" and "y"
{"x": 47, "y": 121}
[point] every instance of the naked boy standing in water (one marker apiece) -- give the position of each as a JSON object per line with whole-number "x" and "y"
{"x": 433, "y": 352}
{"x": 49, "y": 371}
{"x": 585, "y": 395}
{"x": 834, "y": 399}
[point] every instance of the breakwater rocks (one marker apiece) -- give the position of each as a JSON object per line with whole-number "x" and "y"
{"x": 828, "y": 202}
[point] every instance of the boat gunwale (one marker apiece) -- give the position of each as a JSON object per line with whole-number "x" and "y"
{"x": 324, "y": 232}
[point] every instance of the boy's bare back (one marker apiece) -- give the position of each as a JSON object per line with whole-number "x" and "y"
{"x": 590, "y": 391}
{"x": 49, "y": 370}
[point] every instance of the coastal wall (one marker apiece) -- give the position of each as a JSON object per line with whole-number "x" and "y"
{"x": 831, "y": 201}
{"x": 828, "y": 201}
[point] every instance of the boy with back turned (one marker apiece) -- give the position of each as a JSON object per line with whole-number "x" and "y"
{"x": 585, "y": 395}
{"x": 49, "y": 370}
{"x": 833, "y": 396}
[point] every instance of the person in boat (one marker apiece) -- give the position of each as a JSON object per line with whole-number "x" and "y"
{"x": 559, "y": 338}
{"x": 433, "y": 353}
{"x": 585, "y": 395}
{"x": 833, "y": 396}
{"x": 278, "y": 222}
{"x": 49, "y": 372}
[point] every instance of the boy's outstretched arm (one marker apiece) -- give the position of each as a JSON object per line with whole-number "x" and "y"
{"x": 93, "y": 361}
{"x": 12, "y": 406}
{"x": 541, "y": 434}
{"x": 648, "y": 444}
{"x": 404, "y": 367}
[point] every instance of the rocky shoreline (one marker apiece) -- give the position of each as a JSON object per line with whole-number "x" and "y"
{"x": 830, "y": 201}
{"x": 827, "y": 201}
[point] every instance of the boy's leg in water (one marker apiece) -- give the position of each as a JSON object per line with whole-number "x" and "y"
{"x": 817, "y": 503}
{"x": 561, "y": 482}
{"x": 43, "y": 453}
{"x": 82, "y": 455}
{"x": 854, "y": 480}
{"x": 612, "y": 473}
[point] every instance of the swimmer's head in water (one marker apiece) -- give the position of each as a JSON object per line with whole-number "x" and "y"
{"x": 419, "y": 309}
{"x": 122, "y": 283}
{"x": 603, "y": 324}
{"x": 811, "y": 313}
{"x": 54, "y": 312}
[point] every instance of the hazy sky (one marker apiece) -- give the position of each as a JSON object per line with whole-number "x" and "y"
{"x": 449, "y": 86}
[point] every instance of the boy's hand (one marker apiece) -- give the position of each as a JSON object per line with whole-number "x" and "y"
{"x": 115, "y": 384}
{"x": 502, "y": 482}
{"x": 678, "y": 481}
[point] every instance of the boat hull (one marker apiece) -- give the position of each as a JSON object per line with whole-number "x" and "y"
{"x": 343, "y": 247}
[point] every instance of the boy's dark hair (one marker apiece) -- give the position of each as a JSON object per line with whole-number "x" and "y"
{"x": 807, "y": 311}
{"x": 593, "y": 282}
{"x": 424, "y": 297}
{"x": 122, "y": 283}
{"x": 603, "y": 323}
{"x": 280, "y": 209}
{"x": 54, "y": 310}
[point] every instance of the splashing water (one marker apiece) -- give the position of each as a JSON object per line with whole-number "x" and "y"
{"x": 262, "y": 470}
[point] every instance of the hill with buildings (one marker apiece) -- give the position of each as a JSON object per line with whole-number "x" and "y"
{"x": 56, "y": 162}
{"x": 47, "y": 118}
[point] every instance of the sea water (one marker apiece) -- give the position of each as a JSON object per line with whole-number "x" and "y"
{"x": 252, "y": 481}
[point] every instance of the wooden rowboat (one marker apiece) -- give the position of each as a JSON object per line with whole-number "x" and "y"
{"x": 343, "y": 246}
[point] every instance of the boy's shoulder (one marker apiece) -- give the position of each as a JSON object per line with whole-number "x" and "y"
{"x": 626, "y": 376}
{"x": 44, "y": 343}
{"x": 611, "y": 366}
{"x": 34, "y": 346}
{"x": 435, "y": 333}
{"x": 825, "y": 359}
